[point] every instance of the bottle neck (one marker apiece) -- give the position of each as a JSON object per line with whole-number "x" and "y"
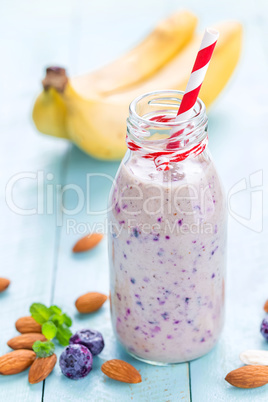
{"x": 154, "y": 133}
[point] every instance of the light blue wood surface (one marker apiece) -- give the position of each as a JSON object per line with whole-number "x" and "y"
{"x": 36, "y": 253}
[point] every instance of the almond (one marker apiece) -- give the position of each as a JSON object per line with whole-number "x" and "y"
{"x": 265, "y": 307}
{"x": 121, "y": 371}
{"x": 255, "y": 357}
{"x": 17, "y": 361}
{"x": 4, "y": 284}
{"x": 25, "y": 325}
{"x": 41, "y": 368}
{"x": 248, "y": 377}
{"x": 25, "y": 341}
{"x": 90, "y": 302}
{"x": 87, "y": 243}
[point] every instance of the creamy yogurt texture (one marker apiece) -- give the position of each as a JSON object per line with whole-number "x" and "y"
{"x": 167, "y": 258}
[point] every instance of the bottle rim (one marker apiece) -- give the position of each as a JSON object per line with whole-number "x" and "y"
{"x": 162, "y": 96}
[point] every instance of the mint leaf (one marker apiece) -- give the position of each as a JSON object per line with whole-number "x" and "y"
{"x": 55, "y": 310}
{"x": 43, "y": 349}
{"x": 63, "y": 334}
{"x": 57, "y": 319}
{"x": 49, "y": 330}
{"x": 67, "y": 320}
{"x": 40, "y": 312}
{"x": 54, "y": 322}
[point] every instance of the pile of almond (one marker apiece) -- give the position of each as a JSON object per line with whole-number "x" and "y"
{"x": 23, "y": 356}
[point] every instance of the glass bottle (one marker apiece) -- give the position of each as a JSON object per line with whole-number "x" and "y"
{"x": 167, "y": 237}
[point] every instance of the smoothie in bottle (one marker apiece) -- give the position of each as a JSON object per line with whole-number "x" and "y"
{"x": 167, "y": 240}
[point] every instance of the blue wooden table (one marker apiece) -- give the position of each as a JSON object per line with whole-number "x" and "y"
{"x": 35, "y": 248}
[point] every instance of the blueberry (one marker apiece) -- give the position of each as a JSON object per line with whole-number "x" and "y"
{"x": 264, "y": 328}
{"x": 90, "y": 338}
{"x": 76, "y": 361}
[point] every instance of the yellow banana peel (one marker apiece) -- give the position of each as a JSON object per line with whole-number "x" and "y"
{"x": 93, "y": 115}
{"x": 49, "y": 113}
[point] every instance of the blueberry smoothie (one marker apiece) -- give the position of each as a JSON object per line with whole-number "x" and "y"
{"x": 167, "y": 246}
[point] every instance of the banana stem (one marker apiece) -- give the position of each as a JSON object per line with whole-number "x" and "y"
{"x": 55, "y": 78}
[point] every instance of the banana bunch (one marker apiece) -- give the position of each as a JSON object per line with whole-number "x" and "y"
{"x": 91, "y": 110}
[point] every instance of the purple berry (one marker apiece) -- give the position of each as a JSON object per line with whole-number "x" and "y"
{"x": 264, "y": 328}
{"x": 76, "y": 361}
{"x": 90, "y": 338}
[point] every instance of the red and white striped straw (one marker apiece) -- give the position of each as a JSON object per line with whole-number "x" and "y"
{"x": 198, "y": 74}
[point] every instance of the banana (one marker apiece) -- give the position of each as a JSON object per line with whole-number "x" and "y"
{"x": 160, "y": 46}
{"x": 97, "y": 123}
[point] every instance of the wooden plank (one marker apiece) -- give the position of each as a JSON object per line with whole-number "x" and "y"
{"x": 78, "y": 274}
{"x": 26, "y": 242}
